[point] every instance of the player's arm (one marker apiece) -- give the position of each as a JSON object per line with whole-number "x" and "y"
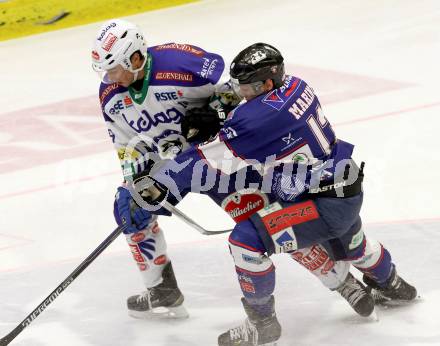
{"x": 201, "y": 124}
{"x": 171, "y": 181}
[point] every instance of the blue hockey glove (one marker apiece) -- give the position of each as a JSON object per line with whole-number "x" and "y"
{"x": 128, "y": 213}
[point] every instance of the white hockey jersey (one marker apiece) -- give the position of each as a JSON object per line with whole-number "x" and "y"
{"x": 177, "y": 77}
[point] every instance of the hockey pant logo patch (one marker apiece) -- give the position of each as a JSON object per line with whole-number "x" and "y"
{"x": 287, "y": 217}
{"x": 279, "y": 222}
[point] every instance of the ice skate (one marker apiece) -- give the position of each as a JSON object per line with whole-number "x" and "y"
{"x": 256, "y": 330}
{"x": 394, "y": 291}
{"x": 357, "y": 295}
{"x": 162, "y": 301}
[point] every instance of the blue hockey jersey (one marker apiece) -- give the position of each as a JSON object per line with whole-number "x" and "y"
{"x": 283, "y": 132}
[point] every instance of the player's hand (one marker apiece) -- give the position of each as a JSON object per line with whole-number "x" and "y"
{"x": 149, "y": 189}
{"x": 200, "y": 124}
{"x": 127, "y": 213}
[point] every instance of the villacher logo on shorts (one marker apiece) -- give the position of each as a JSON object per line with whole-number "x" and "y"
{"x": 242, "y": 204}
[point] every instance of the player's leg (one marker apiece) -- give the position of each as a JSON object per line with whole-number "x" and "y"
{"x": 162, "y": 297}
{"x": 369, "y": 256}
{"x": 335, "y": 275}
{"x": 380, "y": 274}
{"x": 289, "y": 227}
{"x": 256, "y": 275}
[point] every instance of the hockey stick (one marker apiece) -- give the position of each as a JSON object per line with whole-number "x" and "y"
{"x": 61, "y": 287}
{"x": 147, "y": 182}
{"x": 173, "y": 210}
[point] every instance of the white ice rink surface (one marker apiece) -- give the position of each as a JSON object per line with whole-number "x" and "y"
{"x": 375, "y": 66}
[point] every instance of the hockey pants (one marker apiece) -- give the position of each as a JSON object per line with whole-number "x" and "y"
{"x": 326, "y": 243}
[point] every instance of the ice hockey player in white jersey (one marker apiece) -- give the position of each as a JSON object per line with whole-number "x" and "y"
{"x": 144, "y": 95}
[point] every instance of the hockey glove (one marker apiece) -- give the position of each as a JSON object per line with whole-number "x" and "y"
{"x": 127, "y": 213}
{"x": 200, "y": 124}
{"x": 287, "y": 188}
{"x": 149, "y": 189}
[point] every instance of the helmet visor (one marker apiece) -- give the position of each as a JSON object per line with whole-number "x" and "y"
{"x": 247, "y": 91}
{"x": 114, "y": 75}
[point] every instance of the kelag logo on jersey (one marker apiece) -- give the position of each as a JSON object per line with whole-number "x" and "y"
{"x": 278, "y": 97}
{"x": 147, "y": 121}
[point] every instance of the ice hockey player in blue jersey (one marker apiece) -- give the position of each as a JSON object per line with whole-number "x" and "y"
{"x": 316, "y": 188}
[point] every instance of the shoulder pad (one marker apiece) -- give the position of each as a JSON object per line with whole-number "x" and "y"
{"x": 107, "y": 91}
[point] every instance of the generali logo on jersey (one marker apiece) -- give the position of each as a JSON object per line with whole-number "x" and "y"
{"x": 242, "y": 204}
{"x": 169, "y": 75}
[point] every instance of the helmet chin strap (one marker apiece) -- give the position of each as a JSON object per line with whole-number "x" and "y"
{"x": 135, "y": 76}
{"x": 136, "y": 72}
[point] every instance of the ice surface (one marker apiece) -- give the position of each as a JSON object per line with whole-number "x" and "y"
{"x": 375, "y": 67}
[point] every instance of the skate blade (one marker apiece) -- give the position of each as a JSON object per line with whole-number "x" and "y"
{"x": 398, "y": 302}
{"x": 373, "y": 317}
{"x": 178, "y": 312}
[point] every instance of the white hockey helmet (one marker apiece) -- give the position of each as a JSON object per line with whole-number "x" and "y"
{"x": 116, "y": 41}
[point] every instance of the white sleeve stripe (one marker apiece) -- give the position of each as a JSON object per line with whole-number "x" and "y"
{"x": 221, "y": 157}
